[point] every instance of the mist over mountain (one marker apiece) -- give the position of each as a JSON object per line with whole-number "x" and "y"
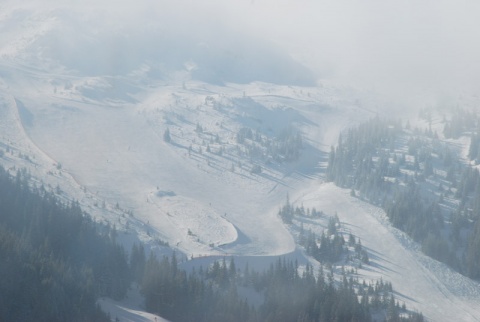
{"x": 267, "y": 160}
{"x": 165, "y": 41}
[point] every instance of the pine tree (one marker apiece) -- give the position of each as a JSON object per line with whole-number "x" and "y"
{"x": 166, "y": 136}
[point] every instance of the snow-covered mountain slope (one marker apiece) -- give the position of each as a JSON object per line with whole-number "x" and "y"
{"x": 90, "y": 125}
{"x": 116, "y": 153}
{"x": 440, "y": 293}
{"x": 189, "y": 198}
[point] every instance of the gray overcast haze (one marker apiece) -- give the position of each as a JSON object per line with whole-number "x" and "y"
{"x": 413, "y": 52}
{"x": 424, "y": 49}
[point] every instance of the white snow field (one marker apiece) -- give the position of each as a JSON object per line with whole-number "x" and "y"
{"x": 93, "y": 132}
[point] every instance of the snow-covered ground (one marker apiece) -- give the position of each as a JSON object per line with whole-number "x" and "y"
{"x": 421, "y": 282}
{"x": 115, "y": 154}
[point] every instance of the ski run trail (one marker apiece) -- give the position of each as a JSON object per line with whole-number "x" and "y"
{"x": 440, "y": 293}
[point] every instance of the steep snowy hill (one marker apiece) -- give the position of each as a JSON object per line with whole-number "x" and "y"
{"x": 104, "y": 146}
{"x": 421, "y": 282}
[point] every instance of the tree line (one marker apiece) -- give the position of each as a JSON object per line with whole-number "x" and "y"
{"x": 57, "y": 261}
{"x": 212, "y": 294}
{"x": 422, "y": 186}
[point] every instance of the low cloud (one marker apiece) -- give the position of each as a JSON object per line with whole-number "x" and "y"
{"x": 413, "y": 51}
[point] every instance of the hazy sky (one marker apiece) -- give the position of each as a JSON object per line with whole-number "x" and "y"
{"x": 399, "y": 47}
{"x": 404, "y": 48}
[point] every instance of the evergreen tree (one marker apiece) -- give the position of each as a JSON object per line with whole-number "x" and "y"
{"x": 166, "y": 136}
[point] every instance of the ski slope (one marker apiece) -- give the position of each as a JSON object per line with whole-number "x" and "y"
{"x": 421, "y": 282}
{"x": 116, "y": 154}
